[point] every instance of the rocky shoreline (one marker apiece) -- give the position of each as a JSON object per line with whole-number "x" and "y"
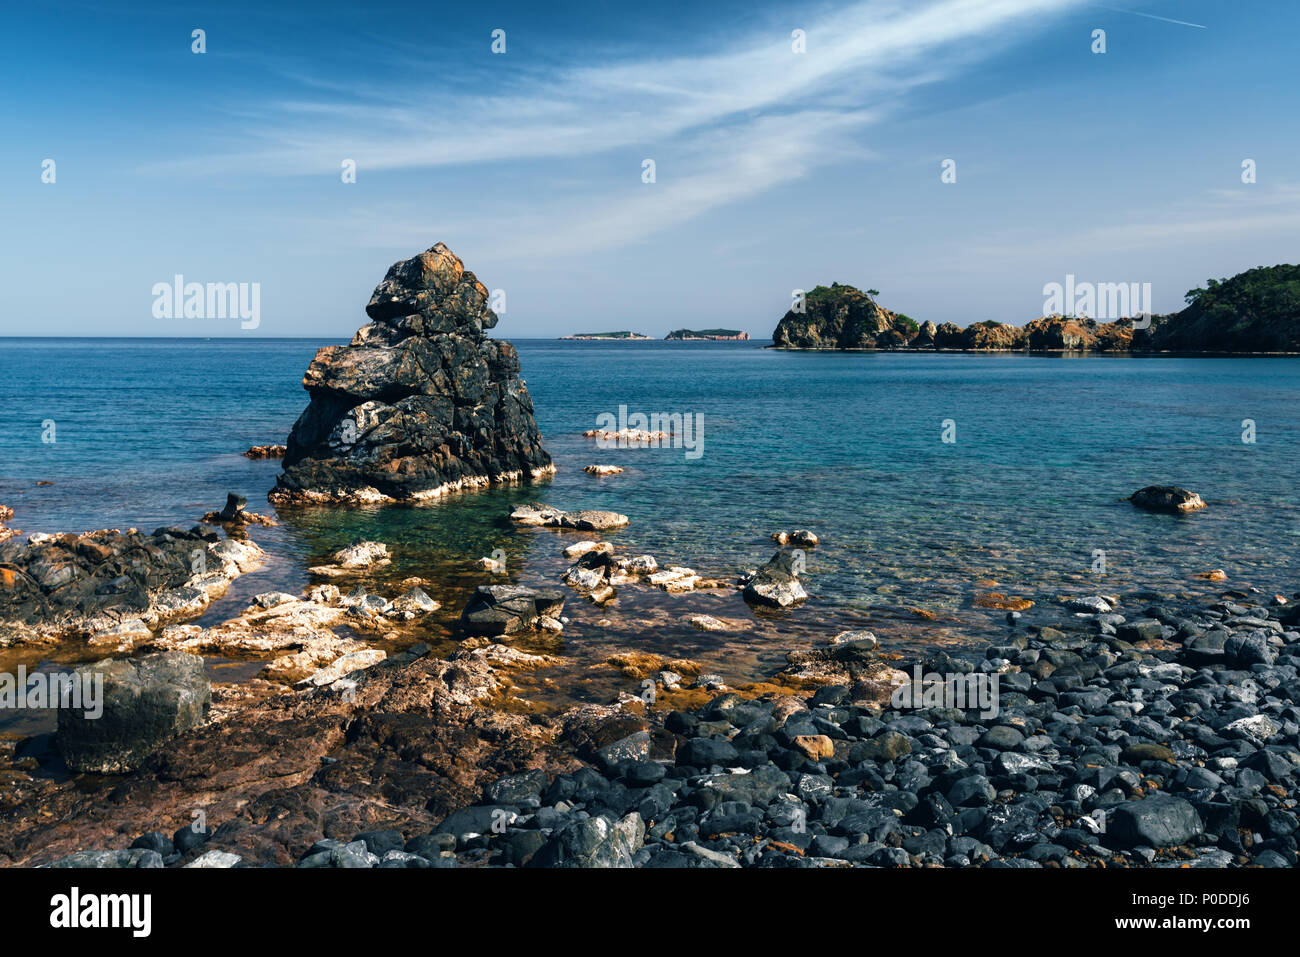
{"x": 1133, "y": 730}
{"x": 110, "y": 587}
{"x": 1124, "y": 731}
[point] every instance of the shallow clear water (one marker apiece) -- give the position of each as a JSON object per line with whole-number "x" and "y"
{"x": 149, "y": 432}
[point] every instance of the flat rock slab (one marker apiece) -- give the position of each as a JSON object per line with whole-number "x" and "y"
{"x": 587, "y": 520}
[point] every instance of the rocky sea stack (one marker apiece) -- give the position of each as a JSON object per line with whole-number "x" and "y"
{"x": 421, "y": 402}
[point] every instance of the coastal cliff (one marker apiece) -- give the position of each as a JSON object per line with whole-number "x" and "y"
{"x": 1257, "y": 311}
{"x": 421, "y": 401}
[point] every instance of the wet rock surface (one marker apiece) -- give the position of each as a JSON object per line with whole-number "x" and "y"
{"x": 507, "y": 609}
{"x": 1122, "y": 733}
{"x": 421, "y": 402}
{"x": 100, "y": 583}
{"x": 587, "y": 520}
{"x": 398, "y": 746}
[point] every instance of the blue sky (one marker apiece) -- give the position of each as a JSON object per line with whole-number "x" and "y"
{"x": 774, "y": 170}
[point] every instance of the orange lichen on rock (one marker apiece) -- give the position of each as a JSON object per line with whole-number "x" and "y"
{"x": 998, "y": 600}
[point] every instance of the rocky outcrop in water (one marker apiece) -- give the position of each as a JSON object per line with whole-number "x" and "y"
{"x": 265, "y": 452}
{"x": 1166, "y": 498}
{"x": 776, "y": 584}
{"x": 992, "y": 337}
{"x": 691, "y": 335}
{"x": 587, "y": 520}
{"x": 420, "y": 402}
{"x": 834, "y": 317}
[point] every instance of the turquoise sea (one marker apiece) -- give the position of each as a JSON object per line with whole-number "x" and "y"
{"x": 913, "y": 529}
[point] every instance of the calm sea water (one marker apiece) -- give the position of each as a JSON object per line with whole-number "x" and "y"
{"x": 149, "y": 432}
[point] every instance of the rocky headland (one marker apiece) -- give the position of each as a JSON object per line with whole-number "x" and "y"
{"x": 1254, "y": 312}
{"x": 420, "y": 403}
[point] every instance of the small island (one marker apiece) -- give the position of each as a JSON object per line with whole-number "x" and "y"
{"x": 606, "y": 335}
{"x": 710, "y": 335}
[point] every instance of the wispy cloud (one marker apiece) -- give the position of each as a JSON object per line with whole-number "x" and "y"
{"x": 729, "y": 124}
{"x": 1152, "y": 16}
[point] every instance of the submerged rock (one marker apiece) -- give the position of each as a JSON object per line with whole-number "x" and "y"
{"x": 420, "y": 403}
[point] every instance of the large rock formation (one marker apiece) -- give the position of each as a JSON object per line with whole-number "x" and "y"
{"x": 1051, "y": 333}
{"x": 146, "y": 702}
{"x": 834, "y": 317}
{"x": 421, "y": 402}
{"x": 993, "y": 336}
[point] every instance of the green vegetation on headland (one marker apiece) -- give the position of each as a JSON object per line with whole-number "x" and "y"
{"x": 1254, "y": 311}
{"x": 606, "y": 335}
{"x": 707, "y": 334}
{"x": 1257, "y": 311}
